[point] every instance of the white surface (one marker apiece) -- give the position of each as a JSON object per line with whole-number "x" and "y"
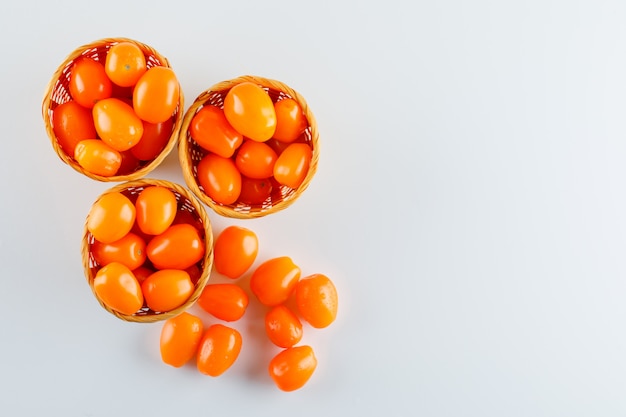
{"x": 469, "y": 205}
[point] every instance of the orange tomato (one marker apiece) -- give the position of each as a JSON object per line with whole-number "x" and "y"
{"x": 234, "y": 251}
{"x": 88, "y": 82}
{"x": 167, "y": 289}
{"x": 117, "y": 124}
{"x": 220, "y": 178}
{"x": 179, "y": 247}
{"x": 154, "y": 139}
{"x": 116, "y": 286}
{"x": 142, "y": 273}
{"x": 97, "y": 157}
{"x": 255, "y": 160}
{"x": 283, "y": 327}
{"x": 273, "y": 281}
{"x": 210, "y": 129}
{"x": 218, "y": 350}
{"x": 316, "y": 298}
{"x": 226, "y": 302}
{"x": 111, "y": 217}
{"x": 156, "y": 209}
{"x": 254, "y": 192}
{"x": 125, "y": 64}
{"x": 180, "y": 338}
{"x": 156, "y": 94}
{"x": 72, "y": 123}
{"x": 293, "y": 164}
{"x": 249, "y": 109}
{"x": 293, "y": 367}
{"x": 130, "y": 251}
{"x": 290, "y": 121}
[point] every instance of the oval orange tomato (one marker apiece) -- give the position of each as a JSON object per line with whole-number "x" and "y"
{"x": 167, "y": 289}
{"x": 130, "y": 251}
{"x": 117, "y": 124}
{"x": 283, "y": 327}
{"x": 255, "y": 160}
{"x": 274, "y": 280}
{"x": 290, "y": 121}
{"x": 88, "y": 82}
{"x": 293, "y": 367}
{"x": 72, "y": 123}
{"x": 210, "y": 129}
{"x": 218, "y": 350}
{"x": 220, "y": 178}
{"x": 316, "y": 298}
{"x": 179, "y": 247}
{"x": 226, "y": 302}
{"x": 249, "y": 109}
{"x": 116, "y": 286}
{"x": 125, "y": 64}
{"x": 97, "y": 157}
{"x": 180, "y": 337}
{"x": 156, "y": 208}
{"x": 234, "y": 251}
{"x": 292, "y": 165}
{"x": 111, "y": 217}
{"x": 156, "y": 94}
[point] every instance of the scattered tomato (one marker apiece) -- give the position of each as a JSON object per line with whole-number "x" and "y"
{"x": 226, "y": 302}
{"x": 180, "y": 338}
{"x": 283, "y": 327}
{"x": 97, "y": 157}
{"x": 249, "y": 109}
{"x": 290, "y": 121}
{"x": 167, "y": 289}
{"x": 293, "y": 367}
{"x": 210, "y": 129}
{"x": 125, "y": 64}
{"x": 130, "y": 251}
{"x": 179, "y": 247}
{"x": 274, "y": 280}
{"x": 316, "y": 298}
{"x": 292, "y": 165}
{"x": 255, "y": 160}
{"x": 117, "y": 124}
{"x": 116, "y": 286}
{"x": 111, "y": 217}
{"x": 218, "y": 350}
{"x": 88, "y": 82}
{"x": 156, "y": 94}
{"x": 72, "y": 123}
{"x": 219, "y": 178}
{"x": 154, "y": 139}
{"x": 234, "y": 251}
{"x": 156, "y": 208}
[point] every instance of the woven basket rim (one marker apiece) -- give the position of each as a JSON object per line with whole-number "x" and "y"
{"x": 47, "y": 101}
{"x": 207, "y": 259}
{"x": 187, "y": 164}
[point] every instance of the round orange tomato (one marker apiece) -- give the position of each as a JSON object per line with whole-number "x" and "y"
{"x": 72, "y": 123}
{"x": 316, "y": 298}
{"x": 180, "y": 337}
{"x": 220, "y": 178}
{"x": 156, "y": 209}
{"x": 218, "y": 350}
{"x": 249, "y": 109}
{"x": 290, "y": 121}
{"x": 97, "y": 157}
{"x": 292, "y": 165}
{"x": 116, "y": 286}
{"x": 255, "y": 192}
{"x": 117, "y": 124}
{"x": 179, "y": 247}
{"x": 156, "y": 94}
{"x": 130, "y": 251}
{"x": 234, "y": 251}
{"x": 255, "y": 160}
{"x": 210, "y": 129}
{"x": 125, "y": 64}
{"x": 283, "y": 327}
{"x": 154, "y": 139}
{"x": 226, "y": 302}
{"x": 167, "y": 289}
{"x": 88, "y": 82}
{"x": 274, "y": 280}
{"x": 111, "y": 217}
{"x": 293, "y": 367}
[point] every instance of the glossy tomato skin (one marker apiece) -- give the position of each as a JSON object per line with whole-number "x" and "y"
{"x": 88, "y": 82}
{"x": 180, "y": 337}
{"x": 72, "y": 123}
{"x": 210, "y": 129}
{"x": 156, "y": 94}
{"x": 116, "y": 286}
{"x": 125, "y": 63}
{"x": 220, "y": 178}
{"x": 290, "y": 121}
{"x": 283, "y": 327}
{"x": 117, "y": 124}
{"x": 154, "y": 139}
{"x": 130, "y": 251}
{"x": 156, "y": 208}
{"x": 226, "y": 302}
{"x": 97, "y": 157}
{"x": 255, "y": 192}
{"x": 167, "y": 289}
{"x": 249, "y": 109}
{"x": 274, "y": 280}
{"x": 256, "y": 160}
{"x": 218, "y": 350}
{"x": 234, "y": 251}
{"x": 292, "y": 165}
{"x": 316, "y": 298}
{"x": 111, "y": 217}
{"x": 292, "y": 368}
{"x": 179, "y": 247}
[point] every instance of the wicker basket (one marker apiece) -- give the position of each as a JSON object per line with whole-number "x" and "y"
{"x": 190, "y": 153}
{"x": 186, "y": 201}
{"x": 57, "y": 92}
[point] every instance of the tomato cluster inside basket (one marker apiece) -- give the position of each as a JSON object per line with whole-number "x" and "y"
{"x": 113, "y": 110}
{"x": 248, "y": 147}
{"x": 147, "y": 250}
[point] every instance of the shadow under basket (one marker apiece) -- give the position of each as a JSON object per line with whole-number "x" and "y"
{"x": 186, "y": 202}
{"x": 190, "y": 153}
{"x": 57, "y": 93}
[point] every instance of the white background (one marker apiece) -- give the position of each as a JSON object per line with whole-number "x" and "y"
{"x": 469, "y": 205}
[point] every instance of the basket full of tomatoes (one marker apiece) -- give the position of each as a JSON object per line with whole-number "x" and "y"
{"x": 147, "y": 250}
{"x": 113, "y": 109}
{"x": 248, "y": 146}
